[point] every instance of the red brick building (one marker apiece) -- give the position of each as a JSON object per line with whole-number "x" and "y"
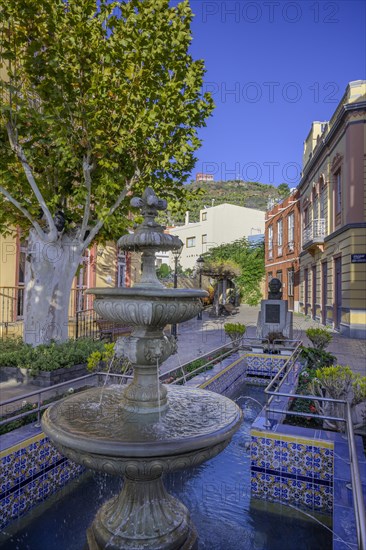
{"x": 282, "y": 247}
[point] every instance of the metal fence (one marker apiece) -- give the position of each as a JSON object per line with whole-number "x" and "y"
{"x": 11, "y": 303}
{"x": 276, "y": 404}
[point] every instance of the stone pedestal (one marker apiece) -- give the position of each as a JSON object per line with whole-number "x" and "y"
{"x": 274, "y": 317}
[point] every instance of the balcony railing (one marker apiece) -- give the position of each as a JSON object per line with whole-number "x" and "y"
{"x": 314, "y": 232}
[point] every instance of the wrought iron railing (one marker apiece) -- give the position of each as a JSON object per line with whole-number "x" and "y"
{"x": 315, "y": 231}
{"x": 11, "y": 303}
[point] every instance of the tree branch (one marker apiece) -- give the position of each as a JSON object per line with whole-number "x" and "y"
{"x": 98, "y": 226}
{"x": 24, "y": 211}
{"x": 18, "y": 150}
{"x": 86, "y": 170}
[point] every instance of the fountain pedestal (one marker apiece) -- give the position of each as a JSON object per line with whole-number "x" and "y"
{"x": 145, "y": 429}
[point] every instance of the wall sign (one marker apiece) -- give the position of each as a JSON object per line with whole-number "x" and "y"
{"x": 358, "y": 258}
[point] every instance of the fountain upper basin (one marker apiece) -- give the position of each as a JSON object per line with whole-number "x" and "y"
{"x": 138, "y": 306}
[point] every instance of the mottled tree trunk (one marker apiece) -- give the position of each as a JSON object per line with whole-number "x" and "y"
{"x": 50, "y": 269}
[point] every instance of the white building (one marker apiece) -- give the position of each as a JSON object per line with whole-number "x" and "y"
{"x": 220, "y": 224}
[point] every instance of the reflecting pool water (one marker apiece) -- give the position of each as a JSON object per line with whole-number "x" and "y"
{"x": 217, "y": 494}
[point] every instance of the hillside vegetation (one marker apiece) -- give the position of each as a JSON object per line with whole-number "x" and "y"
{"x": 242, "y": 193}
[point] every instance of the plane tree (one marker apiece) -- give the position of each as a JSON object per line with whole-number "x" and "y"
{"x": 98, "y": 100}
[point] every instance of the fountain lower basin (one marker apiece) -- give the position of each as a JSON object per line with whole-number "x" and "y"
{"x": 94, "y": 430}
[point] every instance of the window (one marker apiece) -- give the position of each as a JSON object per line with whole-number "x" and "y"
{"x": 204, "y": 239}
{"x": 338, "y": 192}
{"x": 121, "y": 269}
{"x": 279, "y": 237}
{"x": 190, "y": 242}
{"x": 270, "y": 241}
{"x": 322, "y": 202}
{"x": 204, "y": 216}
{"x": 290, "y": 231}
{"x": 21, "y": 278}
{"x": 279, "y": 275}
{"x": 290, "y": 282}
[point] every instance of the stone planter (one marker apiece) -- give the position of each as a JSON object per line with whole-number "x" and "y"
{"x": 43, "y": 379}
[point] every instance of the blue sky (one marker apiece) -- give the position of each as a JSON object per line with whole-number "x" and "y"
{"x": 273, "y": 67}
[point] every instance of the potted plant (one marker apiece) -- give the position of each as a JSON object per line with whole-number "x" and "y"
{"x": 319, "y": 337}
{"x": 235, "y": 331}
{"x": 272, "y": 337}
{"x": 338, "y": 382}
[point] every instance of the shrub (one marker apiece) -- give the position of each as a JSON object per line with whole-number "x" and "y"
{"x": 235, "y": 330}
{"x": 316, "y": 358}
{"x": 336, "y": 381}
{"x": 49, "y": 357}
{"x": 105, "y": 359}
{"x": 319, "y": 337}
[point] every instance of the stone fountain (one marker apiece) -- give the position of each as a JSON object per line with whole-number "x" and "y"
{"x": 142, "y": 430}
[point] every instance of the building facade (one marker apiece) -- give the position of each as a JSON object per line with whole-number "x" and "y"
{"x": 204, "y": 177}
{"x": 220, "y": 224}
{"x": 333, "y": 215}
{"x": 282, "y": 244}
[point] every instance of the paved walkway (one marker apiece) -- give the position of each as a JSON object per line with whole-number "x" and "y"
{"x": 196, "y": 338}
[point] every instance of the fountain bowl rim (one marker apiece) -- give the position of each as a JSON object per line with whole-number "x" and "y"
{"x": 145, "y": 450}
{"x": 157, "y": 293}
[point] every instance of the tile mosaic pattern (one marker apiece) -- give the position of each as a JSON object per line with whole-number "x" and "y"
{"x": 264, "y": 365}
{"x": 29, "y": 473}
{"x": 227, "y": 379}
{"x": 292, "y": 470}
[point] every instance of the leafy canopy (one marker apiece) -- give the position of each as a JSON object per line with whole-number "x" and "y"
{"x": 97, "y": 98}
{"x": 250, "y": 259}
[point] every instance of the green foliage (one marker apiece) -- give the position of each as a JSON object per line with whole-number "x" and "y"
{"x": 101, "y": 97}
{"x": 336, "y": 381}
{"x": 304, "y": 387}
{"x": 105, "y": 359}
{"x": 221, "y": 269}
{"x": 235, "y": 328}
{"x": 359, "y": 389}
{"x": 250, "y": 260}
{"x": 283, "y": 190}
{"x": 163, "y": 271}
{"x": 49, "y": 357}
{"x": 319, "y": 337}
{"x": 316, "y": 358}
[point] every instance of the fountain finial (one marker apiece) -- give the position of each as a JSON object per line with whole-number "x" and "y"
{"x": 149, "y": 204}
{"x": 149, "y": 235}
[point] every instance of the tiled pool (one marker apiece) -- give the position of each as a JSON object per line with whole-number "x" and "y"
{"x": 218, "y": 494}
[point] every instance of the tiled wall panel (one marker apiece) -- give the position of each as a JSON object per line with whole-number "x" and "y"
{"x": 30, "y": 472}
{"x": 292, "y": 470}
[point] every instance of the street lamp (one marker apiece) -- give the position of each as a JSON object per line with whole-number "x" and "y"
{"x": 200, "y": 261}
{"x": 176, "y": 255}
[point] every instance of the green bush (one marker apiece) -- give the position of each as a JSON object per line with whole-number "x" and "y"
{"x": 319, "y": 337}
{"x": 339, "y": 382}
{"x": 49, "y": 357}
{"x": 317, "y": 358}
{"x": 234, "y": 330}
{"x": 105, "y": 359}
